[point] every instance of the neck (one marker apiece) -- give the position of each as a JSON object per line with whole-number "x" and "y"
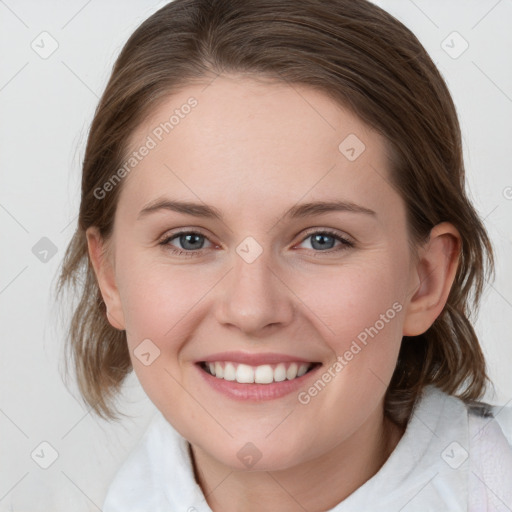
{"x": 316, "y": 485}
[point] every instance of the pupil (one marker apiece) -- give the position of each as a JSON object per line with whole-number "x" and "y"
{"x": 320, "y": 239}
{"x": 189, "y": 239}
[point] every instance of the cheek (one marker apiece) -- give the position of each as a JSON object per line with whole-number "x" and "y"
{"x": 158, "y": 305}
{"x": 157, "y": 297}
{"x": 357, "y": 310}
{"x": 352, "y": 298}
{"x": 358, "y": 313}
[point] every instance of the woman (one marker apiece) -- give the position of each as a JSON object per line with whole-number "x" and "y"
{"x": 276, "y": 238}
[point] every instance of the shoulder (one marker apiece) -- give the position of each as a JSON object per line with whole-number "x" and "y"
{"x": 490, "y": 454}
{"x": 135, "y": 485}
{"x": 475, "y": 442}
{"x": 157, "y": 475}
{"x": 490, "y": 423}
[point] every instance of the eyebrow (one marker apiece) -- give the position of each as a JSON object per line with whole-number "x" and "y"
{"x": 297, "y": 211}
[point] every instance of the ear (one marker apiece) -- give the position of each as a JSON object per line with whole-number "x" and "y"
{"x": 104, "y": 269}
{"x": 434, "y": 274}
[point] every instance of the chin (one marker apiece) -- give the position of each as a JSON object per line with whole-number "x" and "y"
{"x": 258, "y": 456}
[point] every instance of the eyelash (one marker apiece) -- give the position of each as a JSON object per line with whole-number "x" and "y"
{"x": 345, "y": 243}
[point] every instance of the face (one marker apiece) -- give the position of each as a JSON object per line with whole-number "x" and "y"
{"x": 258, "y": 276}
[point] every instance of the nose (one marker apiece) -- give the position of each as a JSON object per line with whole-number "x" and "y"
{"x": 254, "y": 297}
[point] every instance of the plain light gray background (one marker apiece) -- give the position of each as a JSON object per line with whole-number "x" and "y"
{"x": 47, "y": 105}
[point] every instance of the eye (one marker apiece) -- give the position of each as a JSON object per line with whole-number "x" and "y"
{"x": 325, "y": 240}
{"x": 191, "y": 242}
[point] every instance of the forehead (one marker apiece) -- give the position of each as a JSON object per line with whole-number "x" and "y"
{"x": 256, "y": 140}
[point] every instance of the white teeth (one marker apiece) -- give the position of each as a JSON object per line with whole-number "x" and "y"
{"x": 280, "y": 372}
{"x": 263, "y": 374}
{"x": 303, "y": 368}
{"x": 229, "y": 372}
{"x": 291, "y": 373}
{"x": 244, "y": 374}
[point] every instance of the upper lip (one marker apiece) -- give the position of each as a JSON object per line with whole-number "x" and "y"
{"x": 253, "y": 359}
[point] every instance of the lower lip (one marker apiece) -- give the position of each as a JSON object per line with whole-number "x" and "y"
{"x": 256, "y": 392}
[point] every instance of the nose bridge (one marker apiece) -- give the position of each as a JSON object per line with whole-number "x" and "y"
{"x": 253, "y": 295}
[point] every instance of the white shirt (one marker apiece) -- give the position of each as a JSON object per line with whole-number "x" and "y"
{"x": 452, "y": 457}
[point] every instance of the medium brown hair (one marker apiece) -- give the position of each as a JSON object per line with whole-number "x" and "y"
{"x": 360, "y": 56}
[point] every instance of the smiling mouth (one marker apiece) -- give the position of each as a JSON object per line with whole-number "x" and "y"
{"x": 262, "y": 374}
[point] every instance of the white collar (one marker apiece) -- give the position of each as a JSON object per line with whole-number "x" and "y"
{"x": 424, "y": 472}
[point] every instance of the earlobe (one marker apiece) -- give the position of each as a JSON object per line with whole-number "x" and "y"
{"x": 105, "y": 277}
{"x": 433, "y": 277}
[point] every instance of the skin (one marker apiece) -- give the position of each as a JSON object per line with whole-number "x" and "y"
{"x": 252, "y": 150}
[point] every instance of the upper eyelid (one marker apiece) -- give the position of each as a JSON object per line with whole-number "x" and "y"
{"x": 168, "y": 236}
{"x": 332, "y": 231}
